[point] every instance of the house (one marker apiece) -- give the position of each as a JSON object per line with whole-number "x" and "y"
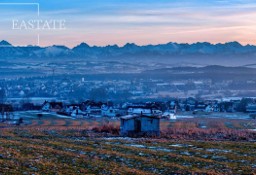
{"x": 109, "y": 111}
{"x": 251, "y": 108}
{"x": 52, "y": 106}
{"x": 72, "y": 110}
{"x": 169, "y": 114}
{"x": 145, "y": 110}
{"x": 173, "y": 107}
{"x": 212, "y": 108}
{"x": 209, "y": 108}
{"x": 91, "y": 108}
{"x": 139, "y": 110}
{"x": 93, "y": 111}
{"x": 226, "y": 107}
{"x": 190, "y": 104}
{"x": 216, "y": 107}
{"x": 77, "y": 113}
{"x": 71, "y": 107}
{"x": 140, "y": 125}
{"x": 200, "y": 108}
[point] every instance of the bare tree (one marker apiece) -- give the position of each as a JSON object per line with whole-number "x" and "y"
{"x": 2, "y": 96}
{"x": 2, "y": 113}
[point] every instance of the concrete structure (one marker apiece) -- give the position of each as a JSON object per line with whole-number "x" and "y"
{"x": 140, "y": 125}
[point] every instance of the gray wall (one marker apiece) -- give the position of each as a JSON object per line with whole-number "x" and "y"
{"x": 149, "y": 124}
{"x": 128, "y": 125}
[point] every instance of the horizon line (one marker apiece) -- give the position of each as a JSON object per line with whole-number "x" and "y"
{"x": 120, "y": 46}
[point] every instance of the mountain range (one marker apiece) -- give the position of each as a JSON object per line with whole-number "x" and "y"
{"x": 197, "y": 52}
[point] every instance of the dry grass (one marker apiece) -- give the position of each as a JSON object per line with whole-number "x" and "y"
{"x": 63, "y": 146}
{"x": 79, "y": 151}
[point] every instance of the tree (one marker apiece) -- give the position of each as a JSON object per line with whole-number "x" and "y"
{"x": 2, "y": 96}
{"x": 241, "y": 107}
{"x": 25, "y": 102}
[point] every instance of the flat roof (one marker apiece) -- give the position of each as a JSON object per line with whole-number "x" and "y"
{"x": 127, "y": 117}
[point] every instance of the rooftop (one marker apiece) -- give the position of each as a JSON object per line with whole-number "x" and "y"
{"x": 127, "y": 117}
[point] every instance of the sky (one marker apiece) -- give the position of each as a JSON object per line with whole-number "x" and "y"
{"x": 108, "y": 22}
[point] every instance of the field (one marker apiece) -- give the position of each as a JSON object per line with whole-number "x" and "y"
{"x": 187, "y": 146}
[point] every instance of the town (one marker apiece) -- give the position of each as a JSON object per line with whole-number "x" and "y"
{"x": 167, "y": 110}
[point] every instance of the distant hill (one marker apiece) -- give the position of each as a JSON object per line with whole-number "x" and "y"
{"x": 213, "y": 72}
{"x": 4, "y": 43}
{"x": 207, "y": 69}
{"x": 232, "y": 53}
